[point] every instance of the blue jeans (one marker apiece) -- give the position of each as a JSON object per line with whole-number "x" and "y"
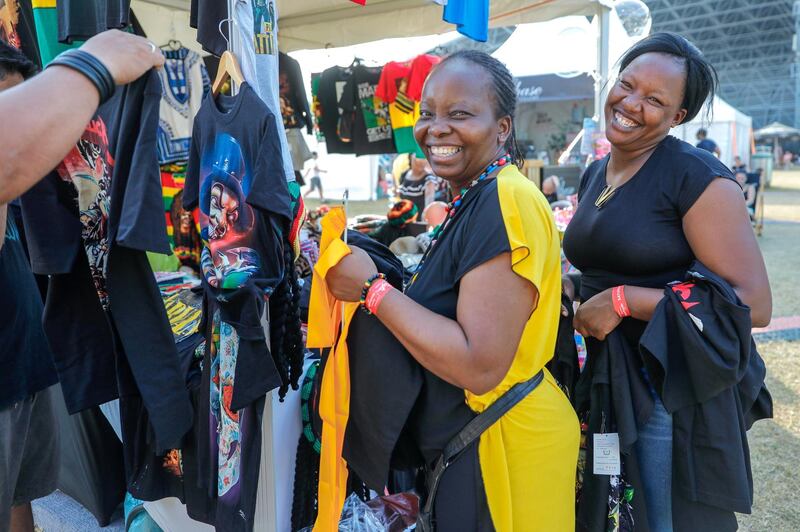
{"x": 654, "y": 453}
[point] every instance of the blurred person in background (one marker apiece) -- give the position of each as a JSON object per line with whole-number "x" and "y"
{"x": 705, "y": 143}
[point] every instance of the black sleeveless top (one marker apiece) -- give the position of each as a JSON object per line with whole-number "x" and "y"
{"x": 637, "y": 237}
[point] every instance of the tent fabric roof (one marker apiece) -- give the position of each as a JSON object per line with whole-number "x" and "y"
{"x": 776, "y": 129}
{"x": 309, "y": 24}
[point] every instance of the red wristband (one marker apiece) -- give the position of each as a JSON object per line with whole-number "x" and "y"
{"x": 376, "y": 293}
{"x": 620, "y": 303}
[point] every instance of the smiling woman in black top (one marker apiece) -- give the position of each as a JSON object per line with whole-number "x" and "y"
{"x": 647, "y": 211}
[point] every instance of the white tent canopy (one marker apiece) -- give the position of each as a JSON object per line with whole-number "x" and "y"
{"x": 309, "y": 24}
{"x": 730, "y": 128}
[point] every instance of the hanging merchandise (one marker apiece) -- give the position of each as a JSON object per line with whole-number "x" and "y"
{"x": 184, "y": 84}
{"x": 89, "y": 225}
{"x": 205, "y": 16}
{"x": 316, "y": 107}
{"x": 298, "y": 148}
{"x": 183, "y": 227}
{"x": 236, "y": 177}
{"x": 79, "y": 20}
{"x": 294, "y": 103}
{"x": 17, "y": 28}
{"x": 401, "y": 86}
{"x": 371, "y": 131}
{"x": 46, "y": 19}
{"x": 257, "y": 24}
{"x": 331, "y": 87}
{"x": 471, "y": 17}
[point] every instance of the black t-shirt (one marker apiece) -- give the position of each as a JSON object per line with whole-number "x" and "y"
{"x": 414, "y": 189}
{"x": 25, "y": 357}
{"x": 637, "y": 237}
{"x": 294, "y": 102}
{"x": 79, "y": 20}
{"x": 235, "y": 176}
{"x": 205, "y": 16}
{"x": 331, "y": 87}
{"x": 89, "y": 224}
{"x": 372, "y": 131}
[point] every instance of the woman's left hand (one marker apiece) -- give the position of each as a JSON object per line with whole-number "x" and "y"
{"x": 346, "y": 280}
{"x": 597, "y": 317}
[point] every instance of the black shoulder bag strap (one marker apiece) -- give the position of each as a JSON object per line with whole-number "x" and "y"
{"x": 465, "y": 437}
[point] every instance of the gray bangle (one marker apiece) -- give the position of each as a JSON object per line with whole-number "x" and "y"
{"x": 91, "y": 67}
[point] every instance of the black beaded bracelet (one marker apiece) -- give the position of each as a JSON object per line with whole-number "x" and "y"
{"x": 365, "y": 290}
{"x": 91, "y": 67}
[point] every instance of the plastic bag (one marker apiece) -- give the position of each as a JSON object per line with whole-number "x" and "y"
{"x": 391, "y": 513}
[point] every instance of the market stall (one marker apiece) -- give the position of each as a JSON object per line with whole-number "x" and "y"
{"x": 187, "y": 431}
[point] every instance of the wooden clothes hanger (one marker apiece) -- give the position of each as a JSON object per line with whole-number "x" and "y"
{"x": 228, "y": 67}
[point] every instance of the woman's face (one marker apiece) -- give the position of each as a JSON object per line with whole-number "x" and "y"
{"x": 645, "y": 102}
{"x": 457, "y": 128}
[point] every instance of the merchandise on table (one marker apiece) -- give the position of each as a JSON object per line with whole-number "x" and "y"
{"x": 184, "y": 84}
{"x": 89, "y": 224}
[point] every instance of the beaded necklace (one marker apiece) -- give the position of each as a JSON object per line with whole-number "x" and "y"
{"x": 453, "y": 207}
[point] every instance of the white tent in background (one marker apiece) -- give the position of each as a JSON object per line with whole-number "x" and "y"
{"x": 309, "y": 24}
{"x": 730, "y": 128}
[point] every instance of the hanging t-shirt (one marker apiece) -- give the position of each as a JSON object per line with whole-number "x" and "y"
{"x": 331, "y": 87}
{"x": 236, "y": 177}
{"x": 17, "y": 28}
{"x": 184, "y": 84}
{"x": 294, "y": 102}
{"x": 205, "y": 16}
{"x": 82, "y": 19}
{"x": 421, "y": 67}
{"x": 89, "y": 224}
{"x": 471, "y": 17}
{"x": 372, "y": 132}
{"x": 257, "y": 23}
{"x": 46, "y": 19}
{"x": 316, "y": 106}
{"x": 25, "y": 357}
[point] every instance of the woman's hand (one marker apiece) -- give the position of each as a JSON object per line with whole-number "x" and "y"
{"x": 346, "y": 280}
{"x": 597, "y": 317}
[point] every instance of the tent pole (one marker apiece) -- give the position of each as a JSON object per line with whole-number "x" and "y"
{"x": 233, "y": 38}
{"x": 603, "y": 62}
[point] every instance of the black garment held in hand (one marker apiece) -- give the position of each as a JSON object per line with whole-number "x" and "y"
{"x": 89, "y": 224}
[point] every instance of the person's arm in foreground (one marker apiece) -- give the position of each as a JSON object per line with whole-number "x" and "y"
{"x": 46, "y": 115}
{"x": 473, "y": 352}
{"x": 721, "y": 236}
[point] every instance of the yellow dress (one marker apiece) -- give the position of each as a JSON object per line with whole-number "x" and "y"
{"x": 528, "y": 458}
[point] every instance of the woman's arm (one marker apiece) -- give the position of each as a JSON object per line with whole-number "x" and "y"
{"x": 473, "y": 352}
{"x": 719, "y": 231}
{"x": 721, "y": 236}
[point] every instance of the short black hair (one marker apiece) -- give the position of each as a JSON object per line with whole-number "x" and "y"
{"x": 505, "y": 93}
{"x": 701, "y": 76}
{"x": 702, "y": 132}
{"x": 13, "y": 61}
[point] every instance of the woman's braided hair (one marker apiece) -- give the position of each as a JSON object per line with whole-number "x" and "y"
{"x": 504, "y": 93}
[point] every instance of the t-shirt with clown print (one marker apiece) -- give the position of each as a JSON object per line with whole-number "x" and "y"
{"x": 235, "y": 176}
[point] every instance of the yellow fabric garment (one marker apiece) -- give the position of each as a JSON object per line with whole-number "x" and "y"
{"x": 324, "y": 320}
{"x": 528, "y": 457}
